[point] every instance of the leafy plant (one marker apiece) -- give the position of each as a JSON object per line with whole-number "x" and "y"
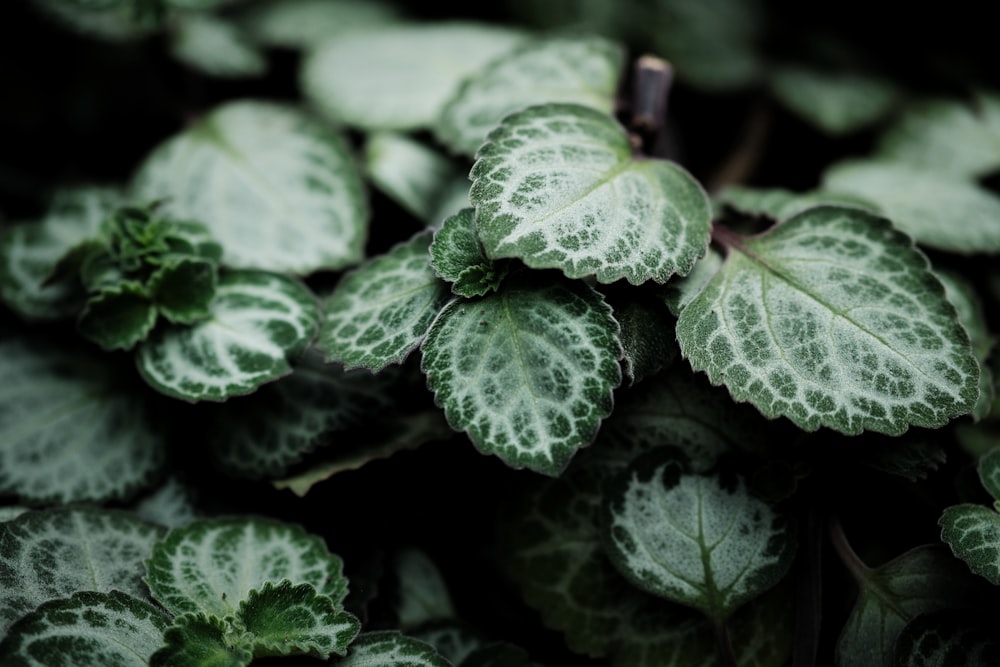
{"x": 710, "y": 300}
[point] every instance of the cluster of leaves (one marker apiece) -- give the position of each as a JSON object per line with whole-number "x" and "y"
{"x": 576, "y": 302}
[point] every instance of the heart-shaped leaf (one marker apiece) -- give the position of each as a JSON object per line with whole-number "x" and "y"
{"x": 244, "y": 555}
{"x": 545, "y": 355}
{"x": 582, "y": 70}
{"x": 832, "y": 319}
{"x": 258, "y": 323}
{"x": 88, "y": 628}
{"x": 381, "y": 311}
{"x": 457, "y": 256}
{"x": 277, "y": 188}
{"x": 556, "y": 186}
{"x": 390, "y": 649}
{"x": 701, "y": 541}
{"x": 55, "y": 553}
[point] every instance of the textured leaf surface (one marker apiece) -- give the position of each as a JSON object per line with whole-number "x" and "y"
{"x": 286, "y": 619}
{"x": 545, "y": 359}
{"x": 172, "y": 504}
{"x": 939, "y": 210}
{"x": 118, "y": 317}
{"x": 381, "y": 311}
{"x": 956, "y": 137}
{"x": 555, "y": 186}
{"x": 423, "y": 594}
{"x": 87, "y": 629}
{"x": 200, "y": 640}
{"x": 837, "y": 103}
{"x": 647, "y": 334}
{"x": 452, "y": 640}
{"x": 210, "y": 566}
{"x": 399, "y": 77}
{"x": 582, "y": 70}
{"x": 305, "y": 24}
{"x": 412, "y": 174}
{"x": 215, "y": 47}
{"x": 921, "y": 580}
{"x": 946, "y": 639}
{"x": 259, "y": 322}
{"x": 261, "y": 435}
{"x": 963, "y": 296}
{"x": 832, "y": 319}
{"x": 458, "y": 257}
{"x": 973, "y": 533}
{"x": 71, "y": 428}
{"x": 45, "y": 555}
{"x": 278, "y": 189}
{"x": 696, "y": 540}
{"x": 390, "y": 649}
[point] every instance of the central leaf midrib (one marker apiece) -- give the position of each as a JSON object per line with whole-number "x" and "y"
{"x": 607, "y": 177}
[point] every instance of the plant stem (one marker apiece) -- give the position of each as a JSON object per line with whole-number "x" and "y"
{"x": 653, "y": 78}
{"x": 859, "y": 571}
{"x": 725, "y": 644}
{"x": 743, "y": 160}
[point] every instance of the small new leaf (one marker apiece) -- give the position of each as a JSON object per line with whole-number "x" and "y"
{"x": 556, "y": 186}
{"x": 118, "y": 317}
{"x": 701, "y": 541}
{"x": 183, "y": 289}
{"x": 458, "y": 257}
{"x": 381, "y": 311}
{"x": 201, "y": 640}
{"x": 832, "y": 319}
{"x": 545, "y": 355}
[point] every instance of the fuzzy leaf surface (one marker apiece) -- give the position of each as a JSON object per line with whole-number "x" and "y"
{"x": 412, "y": 174}
{"x": 555, "y": 186}
{"x": 832, "y": 319}
{"x": 581, "y": 70}
{"x": 948, "y": 639}
{"x": 922, "y": 580}
{"x": 210, "y": 566}
{"x": 697, "y": 540}
{"x": 390, "y": 649}
{"x": 88, "y": 628}
{"x": 963, "y": 296}
{"x": 50, "y": 554}
{"x": 837, "y": 103}
{"x": 973, "y": 533}
{"x": 277, "y": 188}
{"x": 258, "y": 323}
{"x": 71, "y": 428}
{"x": 287, "y": 619}
{"x": 201, "y": 640}
{"x": 937, "y": 209}
{"x": 306, "y": 24}
{"x": 381, "y": 311}
{"x": 957, "y": 137}
{"x": 458, "y": 257}
{"x": 647, "y": 334}
{"x": 118, "y": 317}
{"x": 215, "y": 47}
{"x": 399, "y": 77}
{"x": 545, "y": 359}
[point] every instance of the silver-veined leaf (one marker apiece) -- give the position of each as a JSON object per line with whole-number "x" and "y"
{"x": 582, "y": 70}
{"x": 72, "y": 427}
{"x": 215, "y": 47}
{"x": 458, "y": 257}
{"x": 244, "y": 554}
{"x": 948, "y": 639}
{"x": 835, "y": 102}
{"x": 50, "y": 554}
{"x": 118, "y": 317}
{"x": 399, "y": 77}
{"x": 381, "y": 311}
{"x": 306, "y": 24}
{"x": 171, "y": 504}
{"x": 963, "y": 296}
{"x": 390, "y": 649}
{"x": 258, "y": 323}
{"x": 832, "y": 319}
{"x": 544, "y": 355}
{"x": 973, "y": 533}
{"x": 201, "y": 640}
{"x": 412, "y": 174}
{"x": 452, "y": 640}
{"x": 277, "y": 188}
{"x": 556, "y": 186}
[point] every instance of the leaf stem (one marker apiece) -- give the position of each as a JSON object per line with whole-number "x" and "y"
{"x": 653, "y": 78}
{"x": 859, "y": 571}
{"x": 725, "y": 644}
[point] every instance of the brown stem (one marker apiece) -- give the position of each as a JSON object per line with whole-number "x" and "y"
{"x": 743, "y": 160}
{"x": 652, "y": 78}
{"x": 859, "y": 571}
{"x": 725, "y": 645}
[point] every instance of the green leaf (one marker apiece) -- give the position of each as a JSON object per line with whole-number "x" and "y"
{"x": 701, "y": 541}
{"x": 55, "y": 553}
{"x": 11, "y": 512}
{"x": 545, "y": 355}
{"x": 413, "y": 175}
{"x": 921, "y": 580}
{"x": 118, "y": 317}
{"x": 263, "y": 434}
{"x": 832, "y": 319}
{"x": 185, "y": 237}
{"x": 959, "y": 138}
{"x": 306, "y": 24}
{"x": 390, "y": 649}
{"x": 87, "y": 629}
{"x": 215, "y": 47}
{"x": 989, "y": 472}
{"x": 423, "y": 594}
{"x": 781, "y": 204}
{"x": 963, "y": 296}
{"x": 938, "y": 210}
{"x": 73, "y": 430}
{"x": 556, "y": 187}
{"x": 458, "y": 257}
{"x": 973, "y": 533}
{"x": 277, "y": 188}
{"x": 285, "y": 619}
{"x": 399, "y": 77}
{"x": 581, "y": 70}
{"x": 948, "y": 638}
{"x": 172, "y": 504}
{"x": 681, "y": 291}
{"x": 183, "y": 289}
{"x": 201, "y": 640}
{"x": 244, "y": 555}
{"x": 835, "y": 102}
{"x": 647, "y": 334}
{"x": 452, "y": 640}
{"x": 381, "y": 311}
{"x": 258, "y": 323}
